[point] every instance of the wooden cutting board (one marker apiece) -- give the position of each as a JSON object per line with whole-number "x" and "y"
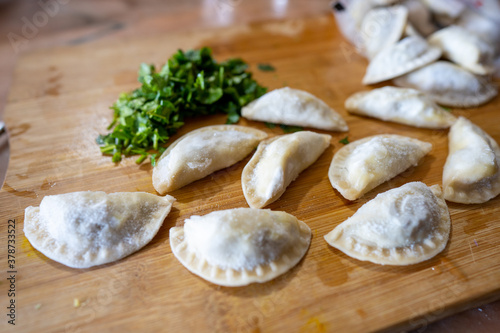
{"x": 60, "y": 102}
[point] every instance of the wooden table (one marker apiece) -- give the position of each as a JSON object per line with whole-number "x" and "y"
{"x": 296, "y": 35}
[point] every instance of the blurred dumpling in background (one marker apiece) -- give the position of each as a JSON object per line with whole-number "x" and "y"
{"x": 465, "y": 49}
{"x": 401, "y": 105}
{"x": 449, "y": 84}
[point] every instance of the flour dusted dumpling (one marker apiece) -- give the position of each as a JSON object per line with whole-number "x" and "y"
{"x": 419, "y": 16}
{"x": 349, "y": 16}
{"x": 240, "y": 246}
{"x": 464, "y": 48}
{"x": 277, "y": 162}
{"x": 294, "y": 107}
{"x": 201, "y": 152}
{"x": 84, "y": 229}
{"x": 448, "y": 84}
{"x": 401, "y": 105}
{"x": 364, "y": 164}
{"x": 449, "y": 9}
{"x": 445, "y": 12}
{"x": 471, "y": 173}
{"x": 484, "y": 27}
{"x": 348, "y": 19}
{"x": 382, "y": 27}
{"x": 403, "y": 57}
{"x": 402, "y": 226}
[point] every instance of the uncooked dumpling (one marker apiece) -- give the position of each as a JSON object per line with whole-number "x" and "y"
{"x": 401, "y": 105}
{"x": 383, "y": 27}
{"x": 294, "y": 107}
{"x": 448, "y": 84}
{"x": 445, "y": 11}
{"x": 471, "y": 173}
{"x": 202, "y": 152}
{"x": 484, "y": 27}
{"x": 402, "y": 226}
{"x": 403, "y": 57}
{"x": 84, "y": 229}
{"x": 419, "y": 16}
{"x": 240, "y": 246}
{"x": 349, "y": 17}
{"x": 465, "y": 49}
{"x": 364, "y": 164}
{"x": 277, "y": 162}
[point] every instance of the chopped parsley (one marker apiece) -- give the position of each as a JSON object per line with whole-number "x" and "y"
{"x": 190, "y": 84}
{"x": 285, "y": 128}
{"x": 291, "y": 129}
{"x": 344, "y": 141}
{"x": 266, "y": 67}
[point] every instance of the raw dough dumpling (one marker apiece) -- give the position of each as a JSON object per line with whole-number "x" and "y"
{"x": 403, "y": 57}
{"x": 445, "y": 11}
{"x": 201, "y": 152}
{"x": 402, "y": 226}
{"x": 465, "y": 49}
{"x": 383, "y": 27}
{"x": 420, "y": 17}
{"x": 489, "y": 9}
{"x": 294, "y": 107}
{"x": 401, "y": 105}
{"x": 85, "y": 229}
{"x": 240, "y": 246}
{"x": 364, "y": 164}
{"x": 471, "y": 173}
{"x": 484, "y": 27}
{"x": 448, "y": 84}
{"x": 277, "y": 162}
{"x": 349, "y": 17}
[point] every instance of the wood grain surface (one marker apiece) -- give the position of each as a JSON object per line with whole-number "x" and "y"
{"x": 59, "y": 103}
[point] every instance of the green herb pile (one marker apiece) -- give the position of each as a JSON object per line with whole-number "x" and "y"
{"x": 190, "y": 84}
